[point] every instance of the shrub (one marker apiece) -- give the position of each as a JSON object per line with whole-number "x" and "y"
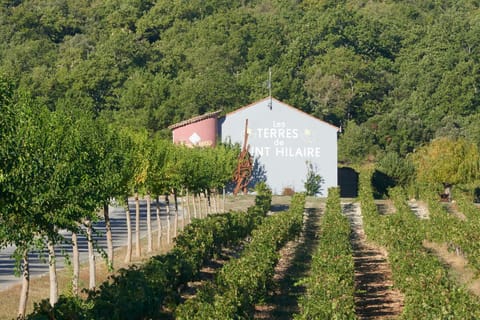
{"x": 314, "y": 181}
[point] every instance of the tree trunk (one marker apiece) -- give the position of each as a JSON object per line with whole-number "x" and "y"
{"x": 138, "y": 249}
{"x": 167, "y": 204}
{"x": 128, "y": 254}
{"x": 175, "y": 226}
{"x": 218, "y": 202}
{"x": 91, "y": 257}
{"x": 223, "y": 200}
{"x": 76, "y": 264}
{"x": 159, "y": 223}
{"x": 187, "y": 202}
{"x": 22, "y": 306}
{"x": 175, "y": 200}
{"x": 53, "y": 274}
{"x": 209, "y": 202}
{"x": 200, "y": 209}
{"x": 214, "y": 199}
{"x": 180, "y": 205}
{"x": 108, "y": 230}
{"x": 194, "y": 206}
{"x": 206, "y": 203}
{"x": 167, "y": 208}
{"x": 149, "y": 224}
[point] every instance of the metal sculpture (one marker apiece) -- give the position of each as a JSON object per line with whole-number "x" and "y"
{"x": 244, "y": 166}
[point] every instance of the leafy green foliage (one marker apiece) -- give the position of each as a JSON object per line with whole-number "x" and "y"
{"x": 59, "y": 167}
{"x": 356, "y": 144}
{"x": 313, "y": 182}
{"x": 330, "y": 286}
{"x": 44, "y": 147}
{"x": 404, "y": 72}
{"x": 140, "y": 292}
{"x": 393, "y": 74}
{"x": 401, "y": 170}
{"x": 263, "y": 199}
{"x": 429, "y": 291}
{"x": 243, "y": 281}
{"x": 447, "y": 161}
{"x": 392, "y": 170}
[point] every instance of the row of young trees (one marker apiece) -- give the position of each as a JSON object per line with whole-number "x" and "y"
{"x": 58, "y": 169}
{"x": 149, "y": 290}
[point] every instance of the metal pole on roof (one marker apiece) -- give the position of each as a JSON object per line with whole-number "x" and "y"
{"x": 270, "y": 87}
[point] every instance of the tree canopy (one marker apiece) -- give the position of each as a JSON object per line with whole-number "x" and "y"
{"x": 404, "y": 71}
{"x": 448, "y": 161}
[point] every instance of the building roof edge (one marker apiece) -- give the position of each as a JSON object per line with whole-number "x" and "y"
{"x": 194, "y": 119}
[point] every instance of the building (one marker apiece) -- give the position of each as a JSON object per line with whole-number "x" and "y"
{"x": 282, "y": 140}
{"x": 198, "y": 131}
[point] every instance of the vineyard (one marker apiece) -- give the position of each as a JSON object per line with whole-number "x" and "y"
{"x": 60, "y": 172}
{"x": 354, "y": 259}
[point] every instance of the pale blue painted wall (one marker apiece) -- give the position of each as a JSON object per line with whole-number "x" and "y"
{"x": 283, "y": 139}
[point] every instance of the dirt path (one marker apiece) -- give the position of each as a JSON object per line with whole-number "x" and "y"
{"x": 419, "y": 208}
{"x": 374, "y": 296}
{"x": 385, "y": 207}
{"x": 293, "y": 265}
{"x": 458, "y": 265}
{"x": 459, "y": 268}
{"x": 453, "y": 209}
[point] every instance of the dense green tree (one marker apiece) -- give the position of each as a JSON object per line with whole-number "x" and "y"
{"x": 447, "y": 162}
{"x": 356, "y": 144}
{"x": 400, "y": 170}
{"x": 313, "y": 181}
{"x": 44, "y": 186}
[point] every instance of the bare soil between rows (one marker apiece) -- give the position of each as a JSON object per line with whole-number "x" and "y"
{"x": 294, "y": 264}
{"x": 456, "y": 263}
{"x": 375, "y": 296}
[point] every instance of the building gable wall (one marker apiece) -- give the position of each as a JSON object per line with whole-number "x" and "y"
{"x": 282, "y": 140}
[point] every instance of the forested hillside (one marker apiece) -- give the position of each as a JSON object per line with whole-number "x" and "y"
{"x": 393, "y": 74}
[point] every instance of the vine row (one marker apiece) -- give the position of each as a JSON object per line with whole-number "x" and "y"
{"x": 244, "y": 281}
{"x": 463, "y": 237}
{"x": 330, "y": 286}
{"x": 429, "y": 292}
